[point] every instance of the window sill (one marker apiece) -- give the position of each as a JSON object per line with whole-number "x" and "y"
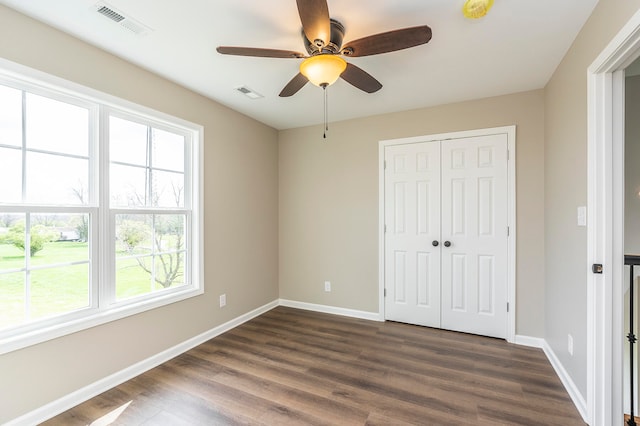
{"x": 91, "y": 319}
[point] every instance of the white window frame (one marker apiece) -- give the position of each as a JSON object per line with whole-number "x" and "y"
{"x": 104, "y": 308}
{"x": 108, "y": 296}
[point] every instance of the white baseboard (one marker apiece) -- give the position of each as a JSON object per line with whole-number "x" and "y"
{"x": 81, "y": 395}
{"x": 71, "y": 400}
{"x": 565, "y": 378}
{"x": 371, "y": 316}
{"x": 532, "y": 342}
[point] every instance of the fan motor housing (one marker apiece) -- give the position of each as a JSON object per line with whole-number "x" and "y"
{"x": 334, "y": 45}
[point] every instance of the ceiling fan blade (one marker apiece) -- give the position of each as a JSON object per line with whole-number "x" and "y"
{"x": 294, "y": 85}
{"x": 314, "y": 15}
{"x": 254, "y": 51}
{"x": 388, "y": 42}
{"x": 361, "y": 79}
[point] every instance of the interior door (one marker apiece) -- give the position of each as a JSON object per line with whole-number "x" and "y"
{"x": 412, "y": 215}
{"x": 445, "y": 207}
{"x": 474, "y": 233}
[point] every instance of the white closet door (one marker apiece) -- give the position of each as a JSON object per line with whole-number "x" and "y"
{"x": 412, "y": 217}
{"x": 474, "y": 222}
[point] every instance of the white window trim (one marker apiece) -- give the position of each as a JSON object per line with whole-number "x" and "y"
{"x": 35, "y": 81}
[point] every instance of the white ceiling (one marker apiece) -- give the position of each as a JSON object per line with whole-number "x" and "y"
{"x": 516, "y": 47}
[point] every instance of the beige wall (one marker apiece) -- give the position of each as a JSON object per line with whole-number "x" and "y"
{"x": 327, "y": 194}
{"x": 566, "y": 186}
{"x": 241, "y": 225}
{"x": 329, "y": 201}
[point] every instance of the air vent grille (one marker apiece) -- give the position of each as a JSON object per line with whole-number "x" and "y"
{"x": 110, "y": 13}
{"x": 119, "y": 17}
{"x": 249, "y": 93}
{"x": 134, "y": 27}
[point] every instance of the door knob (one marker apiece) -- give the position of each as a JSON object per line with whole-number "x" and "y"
{"x": 447, "y": 243}
{"x": 435, "y": 243}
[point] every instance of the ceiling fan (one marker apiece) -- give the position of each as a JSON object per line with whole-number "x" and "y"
{"x": 322, "y": 37}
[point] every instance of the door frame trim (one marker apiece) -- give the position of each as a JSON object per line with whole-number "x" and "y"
{"x": 605, "y": 225}
{"x": 510, "y": 131}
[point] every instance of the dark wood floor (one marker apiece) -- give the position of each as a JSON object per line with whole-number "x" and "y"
{"x": 635, "y": 419}
{"x": 297, "y": 367}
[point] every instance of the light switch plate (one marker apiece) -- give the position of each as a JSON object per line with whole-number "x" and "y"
{"x": 582, "y": 216}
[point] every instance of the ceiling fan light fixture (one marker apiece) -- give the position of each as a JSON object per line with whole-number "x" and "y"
{"x": 475, "y": 9}
{"x": 323, "y": 70}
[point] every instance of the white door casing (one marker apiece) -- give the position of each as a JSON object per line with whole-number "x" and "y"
{"x": 472, "y": 212}
{"x": 605, "y": 227}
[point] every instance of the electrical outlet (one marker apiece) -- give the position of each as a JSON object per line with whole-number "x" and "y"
{"x": 223, "y": 300}
{"x": 570, "y": 344}
{"x": 327, "y": 286}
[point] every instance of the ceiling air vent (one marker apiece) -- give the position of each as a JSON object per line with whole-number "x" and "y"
{"x": 249, "y": 93}
{"x": 120, "y": 18}
{"x": 110, "y": 13}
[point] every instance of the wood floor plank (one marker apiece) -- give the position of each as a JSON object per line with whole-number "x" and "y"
{"x": 295, "y": 367}
{"x": 280, "y": 375}
{"x": 402, "y": 411}
{"x": 420, "y": 396}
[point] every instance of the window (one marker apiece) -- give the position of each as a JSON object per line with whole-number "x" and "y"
{"x": 99, "y": 209}
{"x": 148, "y": 197}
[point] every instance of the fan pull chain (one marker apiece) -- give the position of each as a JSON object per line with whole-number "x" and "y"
{"x": 326, "y": 111}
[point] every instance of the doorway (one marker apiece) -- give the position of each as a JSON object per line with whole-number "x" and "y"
{"x": 605, "y": 232}
{"x": 631, "y": 234}
{"x": 447, "y": 231}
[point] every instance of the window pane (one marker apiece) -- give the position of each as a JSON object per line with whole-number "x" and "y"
{"x": 132, "y": 278}
{"x": 59, "y": 290}
{"x": 168, "y": 150}
{"x": 10, "y": 175}
{"x": 12, "y": 241}
{"x": 59, "y": 238}
{"x": 52, "y": 290}
{"x": 128, "y": 186}
{"x": 55, "y": 179}
{"x": 10, "y": 116}
{"x": 168, "y": 189}
{"x": 12, "y": 285}
{"x": 57, "y": 126}
{"x": 169, "y": 242}
{"x": 162, "y": 236}
{"x": 170, "y": 270}
{"x": 127, "y": 142}
{"x": 169, "y": 232}
{"x": 12, "y": 302}
{"x": 134, "y": 234}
